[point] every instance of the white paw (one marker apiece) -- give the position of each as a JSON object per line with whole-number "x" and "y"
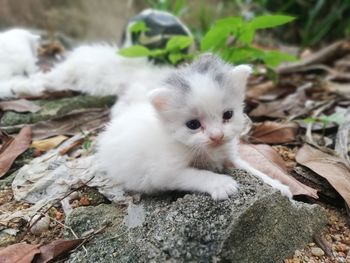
{"x": 284, "y": 189}
{"x": 222, "y": 187}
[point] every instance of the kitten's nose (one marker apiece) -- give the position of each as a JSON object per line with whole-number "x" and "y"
{"x": 217, "y": 136}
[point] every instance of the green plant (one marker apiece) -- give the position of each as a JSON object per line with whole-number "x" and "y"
{"x": 326, "y": 120}
{"x": 318, "y": 20}
{"x": 173, "y": 52}
{"x": 233, "y": 37}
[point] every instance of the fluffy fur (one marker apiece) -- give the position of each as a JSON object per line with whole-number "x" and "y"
{"x": 147, "y": 147}
{"x": 18, "y": 59}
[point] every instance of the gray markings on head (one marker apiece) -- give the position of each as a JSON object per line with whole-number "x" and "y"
{"x": 178, "y": 80}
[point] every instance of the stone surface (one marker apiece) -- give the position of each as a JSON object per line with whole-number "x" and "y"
{"x": 256, "y": 225}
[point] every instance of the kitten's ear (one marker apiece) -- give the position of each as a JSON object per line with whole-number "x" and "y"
{"x": 159, "y": 98}
{"x": 240, "y": 76}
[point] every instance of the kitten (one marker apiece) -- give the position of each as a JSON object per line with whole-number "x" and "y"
{"x": 18, "y": 57}
{"x": 188, "y": 128}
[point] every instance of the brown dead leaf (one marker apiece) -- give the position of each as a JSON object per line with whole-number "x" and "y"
{"x": 5, "y": 140}
{"x": 20, "y": 143}
{"x": 293, "y": 104}
{"x": 329, "y": 167}
{"x": 21, "y": 105}
{"x": 274, "y": 132}
{"x": 56, "y": 249}
{"x": 260, "y": 89}
{"x": 19, "y": 253}
{"x": 71, "y": 124}
{"x": 48, "y": 144}
{"x": 265, "y": 159}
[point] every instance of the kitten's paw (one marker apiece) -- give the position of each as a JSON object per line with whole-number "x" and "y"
{"x": 223, "y": 187}
{"x": 286, "y": 191}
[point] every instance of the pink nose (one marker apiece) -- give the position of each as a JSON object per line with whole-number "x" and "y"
{"x": 217, "y": 137}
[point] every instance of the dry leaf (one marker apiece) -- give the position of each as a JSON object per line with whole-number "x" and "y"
{"x": 56, "y": 249}
{"x": 71, "y": 124}
{"x": 329, "y": 167}
{"x": 265, "y": 159}
{"x": 293, "y": 104}
{"x": 19, "y": 253}
{"x": 14, "y": 149}
{"x": 274, "y": 132}
{"x": 260, "y": 89}
{"x": 48, "y": 144}
{"x": 21, "y": 105}
{"x": 5, "y": 140}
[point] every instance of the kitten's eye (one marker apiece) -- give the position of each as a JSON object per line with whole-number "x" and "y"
{"x": 227, "y": 115}
{"x": 193, "y": 124}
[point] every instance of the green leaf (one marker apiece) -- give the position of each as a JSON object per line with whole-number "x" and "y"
{"x": 244, "y": 55}
{"x": 214, "y": 39}
{"x": 135, "y": 51}
{"x": 138, "y": 27}
{"x": 233, "y": 22}
{"x": 270, "y": 21}
{"x": 274, "y": 58}
{"x": 157, "y": 52}
{"x": 175, "y": 58}
{"x": 247, "y": 34}
{"x": 179, "y": 42}
{"x": 310, "y": 120}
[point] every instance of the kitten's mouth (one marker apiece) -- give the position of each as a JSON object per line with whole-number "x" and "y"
{"x": 216, "y": 144}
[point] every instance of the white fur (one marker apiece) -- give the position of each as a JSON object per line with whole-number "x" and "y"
{"x": 18, "y": 58}
{"x": 17, "y": 53}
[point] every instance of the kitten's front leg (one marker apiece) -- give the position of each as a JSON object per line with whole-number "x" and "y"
{"x": 241, "y": 164}
{"x": 219, "y": 186}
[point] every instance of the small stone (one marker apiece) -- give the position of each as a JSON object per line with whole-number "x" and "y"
{"x": 41, "y": 226}
{"x": 297, "y": 253}
{"x": 341, "y": 247}
{"x": 316, "y": 251}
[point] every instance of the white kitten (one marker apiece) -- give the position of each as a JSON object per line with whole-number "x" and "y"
{"x": 188, "y": 129}
{"x": 18, "y": 59}
{"x": 94, "y": 70}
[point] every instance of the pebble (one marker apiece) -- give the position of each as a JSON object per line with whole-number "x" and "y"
{"x": 316, "y": 251}
{"x": 341, "y": 247}
{"x": 297, "y": 253}
{"x": 41, "y": 226}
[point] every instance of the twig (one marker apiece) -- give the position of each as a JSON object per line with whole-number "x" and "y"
{"x": 320, "y": 57}
{"x": 317, "y": 112}
{"x": 52, "y": 205}
{"x": 322, "y": 243}
{"x": 67, "y": 227}
{"x": 342, "y": 139}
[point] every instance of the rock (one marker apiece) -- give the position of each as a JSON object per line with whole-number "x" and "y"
{"x": 316, "y": 251}
{"x": 40, "y": 226}
{"x": 55, "y": 108}
{"x": 262, "y": 227}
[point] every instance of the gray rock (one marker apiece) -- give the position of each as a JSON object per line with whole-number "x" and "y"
{"x": 256, "y": 225}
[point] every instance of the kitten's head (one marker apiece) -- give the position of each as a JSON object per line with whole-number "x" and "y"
{"x": 201, "y": 104}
